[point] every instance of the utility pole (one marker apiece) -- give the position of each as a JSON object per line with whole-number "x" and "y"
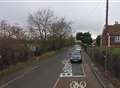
{"x": 107, "y": 10}
{"x": 106, "y": 26}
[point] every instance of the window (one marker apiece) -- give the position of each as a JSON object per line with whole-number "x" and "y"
{"x": 117, "y": 39}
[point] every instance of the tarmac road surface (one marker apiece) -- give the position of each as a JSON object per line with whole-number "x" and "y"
{"x": 46, "y": 74}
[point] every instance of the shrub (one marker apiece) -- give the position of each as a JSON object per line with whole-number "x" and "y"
{"x": 113, "y": 58}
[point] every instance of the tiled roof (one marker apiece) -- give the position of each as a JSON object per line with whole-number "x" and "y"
{"x": 113, "y": 29}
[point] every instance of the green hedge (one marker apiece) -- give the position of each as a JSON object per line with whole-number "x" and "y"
{"x": 98, "y": 54}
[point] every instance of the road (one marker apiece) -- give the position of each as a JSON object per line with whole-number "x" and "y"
{"x": 47, "y": 74}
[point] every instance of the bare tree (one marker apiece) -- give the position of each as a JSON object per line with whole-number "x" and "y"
{"x": 40, "y": 22}
{"x": 17, "y": 32}
{"x": 5, "y": 29}
{"x": 64, "y": 28}
{"x": 46, "y": 32}
{"x": 60, "y": 30}
{"x": 11, "y": 31}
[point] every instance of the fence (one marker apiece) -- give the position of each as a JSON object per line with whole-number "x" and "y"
{"x": 98, "y": 55}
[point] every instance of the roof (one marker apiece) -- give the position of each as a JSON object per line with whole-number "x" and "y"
{"x": 113, "y": 29}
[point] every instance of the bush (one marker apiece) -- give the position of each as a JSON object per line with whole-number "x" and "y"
{"x": 113, "y": 63}
{"x": 11, "y": 53}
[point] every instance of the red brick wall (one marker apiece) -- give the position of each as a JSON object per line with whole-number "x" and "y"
{"x": 104, "y": 40}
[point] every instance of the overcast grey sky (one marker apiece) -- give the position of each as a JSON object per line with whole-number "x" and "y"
{"x": 86, "y": 15}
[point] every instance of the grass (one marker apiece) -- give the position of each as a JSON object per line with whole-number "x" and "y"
{"x": 115, "y": 51}
{"x": 101, "y": 49}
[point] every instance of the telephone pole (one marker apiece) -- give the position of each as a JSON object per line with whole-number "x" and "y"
{"x": 106, "y": 27}
{"x": 107, "y": 10}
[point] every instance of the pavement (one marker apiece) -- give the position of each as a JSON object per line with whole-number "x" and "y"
{"x": 56, "y": 72}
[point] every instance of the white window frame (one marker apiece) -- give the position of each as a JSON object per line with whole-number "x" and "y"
{"x": 117, "y": 39}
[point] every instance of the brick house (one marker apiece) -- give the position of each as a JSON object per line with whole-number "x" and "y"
{"x": 111, "y": 36}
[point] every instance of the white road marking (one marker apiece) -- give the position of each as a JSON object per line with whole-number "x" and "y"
{"x": 56, "y": 82}
{"x": 75, "y": 84}
{"x": 71, "y": 74}
{"x": 11, "y": 81}
{"x": 67, "y": 69}
{"x": 19, "y": 77}
{"x": 76, "y": 76}
{"x": 35, "y": 67}
{"x": 84, "y": 74}
{"x": 66, "y": 75}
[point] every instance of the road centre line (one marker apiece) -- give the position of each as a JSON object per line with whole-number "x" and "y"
{"x": 35, "y": 67}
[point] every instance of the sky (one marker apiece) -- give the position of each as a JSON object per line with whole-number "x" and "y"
{"x": 86, "y": 15}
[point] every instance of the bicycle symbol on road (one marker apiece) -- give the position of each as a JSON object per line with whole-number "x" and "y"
{"x": 75, "y": 84}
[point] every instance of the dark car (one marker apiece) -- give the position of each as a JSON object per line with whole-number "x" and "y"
{"x": 76, "y": 58}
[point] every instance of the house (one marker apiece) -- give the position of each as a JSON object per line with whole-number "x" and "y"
{"x": 111, "y": 36}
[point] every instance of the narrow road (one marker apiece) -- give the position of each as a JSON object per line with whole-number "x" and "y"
{"x": 47, "y": 74}
{"x": 82, "y": 72}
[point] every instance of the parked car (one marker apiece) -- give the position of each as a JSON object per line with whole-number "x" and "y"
{"x": 76, "y": 57}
